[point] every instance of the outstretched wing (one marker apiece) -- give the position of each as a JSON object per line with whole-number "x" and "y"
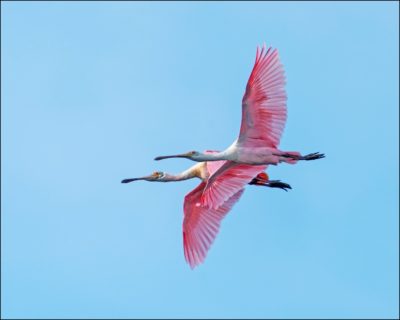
{"x": 226, "y": 181}
{"x": 264, "y": 102}
{"x": 201, "y": 224}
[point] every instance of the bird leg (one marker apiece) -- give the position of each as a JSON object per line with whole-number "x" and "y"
{"x": 270, "y": 183}
{"x": 278, "y": 184}
{"x": 310, "y": 156}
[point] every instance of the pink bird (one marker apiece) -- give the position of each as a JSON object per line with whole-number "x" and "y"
{"x": 263, "y": 121}
{"x": 201, "y": 224}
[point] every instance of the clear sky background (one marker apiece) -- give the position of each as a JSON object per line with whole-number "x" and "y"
{"x": 92, "y": 92}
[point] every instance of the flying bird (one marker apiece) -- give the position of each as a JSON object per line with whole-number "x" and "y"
{"x": 263, "y": 120}
{"x": 201, "y": 224}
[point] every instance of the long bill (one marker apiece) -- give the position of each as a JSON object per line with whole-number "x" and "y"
{"x": 183, "y": 155}
{"x": 134, "y": 179}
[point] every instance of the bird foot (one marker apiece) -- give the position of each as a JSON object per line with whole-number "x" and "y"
{"x": 271, "y": 183}
{"x": 313, "y": 156}
{"x": 278, "y": 184}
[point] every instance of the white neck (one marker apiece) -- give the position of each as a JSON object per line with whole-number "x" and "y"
{"x": 224, "y": 155}
{"x": 185, "y": 175}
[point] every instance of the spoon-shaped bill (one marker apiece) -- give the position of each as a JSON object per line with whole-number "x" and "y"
{"x": 134, "y": 179}
{"x": 183, "y": 155}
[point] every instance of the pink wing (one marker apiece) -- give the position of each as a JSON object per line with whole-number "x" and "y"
{"x": 226, "y": 181}
{"x": 264, "y": 102}
{"x": 263, "y": 121}
{"x": 201, "y": 224}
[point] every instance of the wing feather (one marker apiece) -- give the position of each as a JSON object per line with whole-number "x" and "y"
{"x": 226, "y": 181}
{"x": 201, "y": 224}
{"x": 264, "y": 102}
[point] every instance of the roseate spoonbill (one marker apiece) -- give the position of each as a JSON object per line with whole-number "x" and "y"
{"x": 263, "y": 121}
{"x": 201, "y": 223}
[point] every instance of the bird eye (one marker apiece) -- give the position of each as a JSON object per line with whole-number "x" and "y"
{"x": 158, "y": 174}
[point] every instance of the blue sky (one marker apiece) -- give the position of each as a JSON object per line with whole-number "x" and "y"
{"x": 92, "y": 92}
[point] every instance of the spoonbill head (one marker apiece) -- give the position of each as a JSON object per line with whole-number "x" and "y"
{"x": 155, "y": 176}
